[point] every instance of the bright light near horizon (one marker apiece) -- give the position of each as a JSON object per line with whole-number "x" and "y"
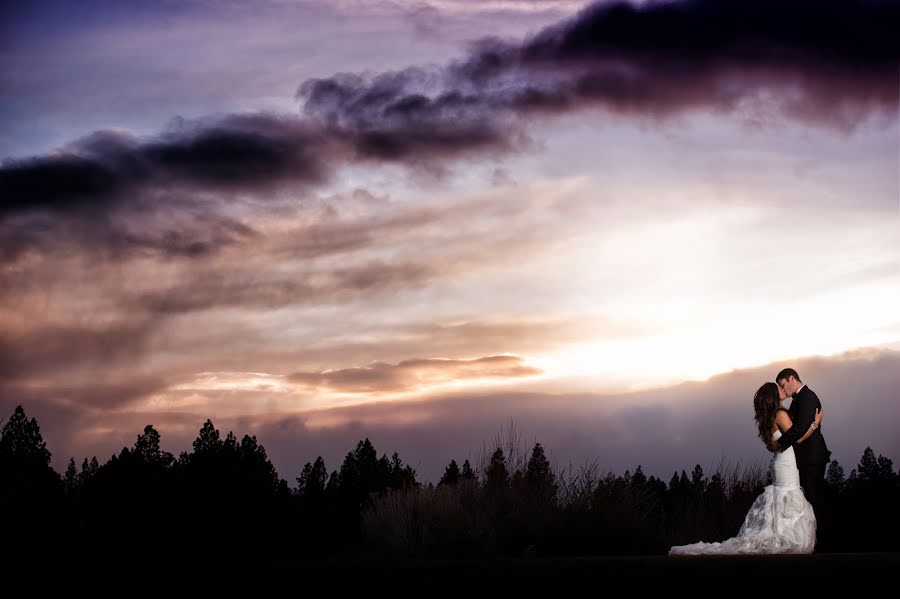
{"x": 826, "y": 325}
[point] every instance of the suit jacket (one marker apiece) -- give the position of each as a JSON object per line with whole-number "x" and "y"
{"x": 802, "y": 412}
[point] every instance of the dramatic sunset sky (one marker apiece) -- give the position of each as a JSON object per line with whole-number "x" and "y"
{"x": 423, "y": 220}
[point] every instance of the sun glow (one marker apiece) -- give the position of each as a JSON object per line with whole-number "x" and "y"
{"x": 826, "y": 325}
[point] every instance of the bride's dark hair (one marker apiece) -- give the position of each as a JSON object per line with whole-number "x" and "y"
{"x": 766, "y": 403}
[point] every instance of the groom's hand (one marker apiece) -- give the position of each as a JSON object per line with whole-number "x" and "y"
{"x": 772, "y": 445}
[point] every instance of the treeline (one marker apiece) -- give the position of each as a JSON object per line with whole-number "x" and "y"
{"x": 225, "y": 501}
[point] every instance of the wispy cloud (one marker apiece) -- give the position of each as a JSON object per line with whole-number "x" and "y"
{"x": 59, "y": 348}
{"x": 413, "y": 374}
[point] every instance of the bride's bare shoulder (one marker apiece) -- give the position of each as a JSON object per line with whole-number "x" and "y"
{"x": 782, "y": 419}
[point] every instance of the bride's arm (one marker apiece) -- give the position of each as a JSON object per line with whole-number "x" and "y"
{"x": 785, "y": 424}
{"x": 812, "y": 427}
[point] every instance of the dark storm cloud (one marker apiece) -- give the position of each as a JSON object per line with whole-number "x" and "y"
{"x": 105, "y": 191}
{"x": 825, "y": 61}
{"x": 840, "y": 56}
{"x": 88, "y": 193}
{"x": 828, "y": 61}
{"x": 409, "y": 374}
{"x": 389, "y": 112}
{"x": 235, "y": 153}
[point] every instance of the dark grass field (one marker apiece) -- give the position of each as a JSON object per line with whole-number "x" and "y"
{"x": 819, "y": 571}
{"x": 158, "y": 572}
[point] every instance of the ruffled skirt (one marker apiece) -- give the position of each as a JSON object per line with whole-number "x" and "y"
{"x": 781, "y": 520}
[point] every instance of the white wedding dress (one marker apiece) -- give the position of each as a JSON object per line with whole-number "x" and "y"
{"x": 781, "y": 519}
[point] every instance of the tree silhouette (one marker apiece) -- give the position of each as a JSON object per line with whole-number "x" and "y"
{"x": 451, "y": 475}
{"x": 70, "y": 480}
{"x": 359, "y": 475}
{"x": 31, "y": 491}
{"x": 21, "y": 440}
{"x": 226, "y": 494}
{"x": 331, "y": 489}
{"x": 258, "y": 478}
{"x": 208, "y": 440}
{"x": 467, "y": 472}
{"x": 147, "y": 448}
{"x": 311, "y": 482}
{"x": 230, "y": 482}
{"x": 871, "y": 494}
{"x": 673, "y": 483}
{"x": 638, "y": 479}
{"x": 314, "y": 492}
{"x": 496, "y": 476}
{"x": 539, "y": 479}
{"x": 130, "y": 494}
{"x": 872, "y": 469}
{"x": 88, "y": 469}
{"x": 400, "y": 476}
{"x": 835, "y": 476}
{"x": 698, "y": 482}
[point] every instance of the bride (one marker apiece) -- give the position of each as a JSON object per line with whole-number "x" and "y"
{"x": 781, "y": 520}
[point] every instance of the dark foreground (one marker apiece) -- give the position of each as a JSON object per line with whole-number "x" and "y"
{"x": 748, "y": 574}
{"x": 815, "y": 571}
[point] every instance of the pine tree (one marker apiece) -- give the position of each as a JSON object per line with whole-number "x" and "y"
{"x": 698, "y": 482}
{"x": 451, "y": 475}
{"x": 496, "y": 475}
{"x": 230, "y": 445}
{"x": 147, "y": 448}
{"x": 257, "y": 476}
{"x": 539, "y": 478}
{"x": 71, "y": 478}
{"x": 88, "y": 469}
{"x": 638, "y": 479}
{"x": 208, "y": 441}
{"x": 467, "y": 472}
{"x": 21, "y": 440}
{"x": 400, "y": 476}
{"x": 673, "y": 484}
{"x": 360, "y": 475}
{"x": 835, "y": 476}
{"x": 873, "y": 473}
{"x": 868, "y": 466}
{"x": 312, "y": 480}
{"x": 333, "y": 486}
{"x": 30, "y": 489}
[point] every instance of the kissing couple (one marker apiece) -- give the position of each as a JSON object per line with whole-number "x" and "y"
{"x": 782, "y": 519}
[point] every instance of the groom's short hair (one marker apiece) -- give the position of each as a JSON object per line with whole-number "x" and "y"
{"x": 787, "y": 373}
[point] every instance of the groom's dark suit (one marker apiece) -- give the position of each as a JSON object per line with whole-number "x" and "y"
{"x": 812, "y": 454}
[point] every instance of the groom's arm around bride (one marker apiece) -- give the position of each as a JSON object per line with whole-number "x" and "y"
{"x": 803, "y": 413}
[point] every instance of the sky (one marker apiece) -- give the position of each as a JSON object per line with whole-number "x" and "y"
{"x": 597, "y": 225}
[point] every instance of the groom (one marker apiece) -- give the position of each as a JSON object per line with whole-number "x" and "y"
{"x": 812, "y": 454}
